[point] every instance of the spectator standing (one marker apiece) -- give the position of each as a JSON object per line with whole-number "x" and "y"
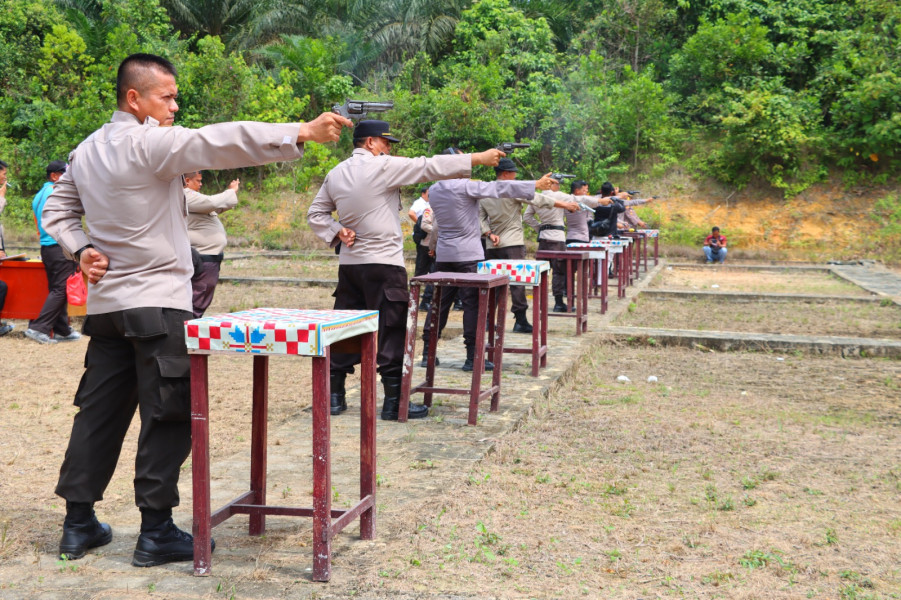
{"x": 425, "y": 260}
{"x": 207, "y": 235}
{"x": 54, "y": 318}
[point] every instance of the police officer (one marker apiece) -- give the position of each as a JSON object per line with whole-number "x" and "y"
{"x": 502, "y": 218}
{"x": 365, "y": 192}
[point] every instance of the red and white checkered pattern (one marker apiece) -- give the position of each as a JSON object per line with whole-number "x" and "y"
{"x": 520, "y": 272}
{"x": 277, "y": 330}
{"x": 651, "y": 233}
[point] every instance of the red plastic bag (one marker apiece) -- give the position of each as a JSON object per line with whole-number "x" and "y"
{"x": 76, "y": 289}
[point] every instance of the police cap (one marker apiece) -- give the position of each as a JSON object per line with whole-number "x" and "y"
{"x": 505, "y": 164}
{"x": 374, "y": 128}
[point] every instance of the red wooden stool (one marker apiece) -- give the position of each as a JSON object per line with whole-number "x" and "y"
{"x": 271, "y": 331}
{"x": 532, "y": 273}
{"x": 492, "y": 291}
{"x": 597, "y": 271}
{"x": 654, "y": 234}
{"x": 576, "y": 264}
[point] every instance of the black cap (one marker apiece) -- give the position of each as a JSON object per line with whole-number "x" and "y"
{"x": 505, "y": 164}
{"x": 373, "y": 128}
{"x": 56, "y": 166}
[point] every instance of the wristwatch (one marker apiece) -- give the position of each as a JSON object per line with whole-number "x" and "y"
{"x": 78, "y": 252}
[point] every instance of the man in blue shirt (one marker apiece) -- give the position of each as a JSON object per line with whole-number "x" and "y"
{"x": 54, "y": 318}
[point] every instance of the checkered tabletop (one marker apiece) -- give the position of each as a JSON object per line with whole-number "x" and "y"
{"x": 651, "y": 233}
{"x": 602, "y": 243}
{"x": 520, "y": 272}
{"x": 277, "y": 330}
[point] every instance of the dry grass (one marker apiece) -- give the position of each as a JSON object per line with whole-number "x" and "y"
{"x": 837, "y": 318}
{"x": 736, "y": 476}
{"x": 762, "y": 282}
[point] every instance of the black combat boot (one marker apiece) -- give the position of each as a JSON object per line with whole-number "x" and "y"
{"x": 82, "y": 531}
{"x": 161, "y": 541}
{"x": 391, "y": 406}
{"x": 522, "y": 324}
{"x": 470, "y": 360}
{"x": 339, "y": 404}
{"x": 559, "y": 304}
{"x": 425, "y": 353}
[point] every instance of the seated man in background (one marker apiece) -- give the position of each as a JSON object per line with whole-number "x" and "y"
{"x": 207, "y": 235}
{"x": 54, "y": 316}
{"x": 715, "y": 246}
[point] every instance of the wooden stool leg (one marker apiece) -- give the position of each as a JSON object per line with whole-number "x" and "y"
{"x": 259, "y": 428}
{"x": 478, "y": 365}
{"x": 544, "y": 310}
{"x": 200, "y": 463}
{"x": 604, "y": 284}
{"x": 500, "y": 294}
{"x": 434, "y": 317}
{"x": 367, "y": 429}
{"x": 536, "y": 326}
{"x": 403, "y": 408}
{"x": 322, "y": 472}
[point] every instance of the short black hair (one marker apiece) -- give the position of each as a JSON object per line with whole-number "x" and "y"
{"x": 3, "y": 165}
{"x": 133, "y": 69}
{"x": 424, "y": 189}
{"x": 714, "y": 229}
{"x": 607, "y": 189}
{"x": 578, "y": 183}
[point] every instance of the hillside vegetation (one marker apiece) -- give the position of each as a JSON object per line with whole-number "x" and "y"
{"x": 725, "y": 101}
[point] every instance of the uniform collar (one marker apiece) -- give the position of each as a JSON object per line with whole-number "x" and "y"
{"x": 120, "y": 116}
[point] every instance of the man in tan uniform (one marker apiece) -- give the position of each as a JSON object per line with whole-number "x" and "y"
{"x": 552, "y": 235}
{"x": 125, "y": 180}
{"x": 207, "y": 235}
{"x": 502, "y": 217}
{"x": 365, "y": 192}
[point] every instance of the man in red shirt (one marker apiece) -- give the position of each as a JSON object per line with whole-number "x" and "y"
{"x": 715, "y": 246}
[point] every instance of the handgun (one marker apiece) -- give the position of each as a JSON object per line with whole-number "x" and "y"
{"x": 359, "y": 109}
{"x": 509, "y": 147}
{"x": 585, "y": 207}
{"x": 559, "y": 176}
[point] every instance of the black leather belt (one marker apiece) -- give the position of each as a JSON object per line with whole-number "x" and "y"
{"x": 214, "y": 258}
{"x": 551, "y": 228}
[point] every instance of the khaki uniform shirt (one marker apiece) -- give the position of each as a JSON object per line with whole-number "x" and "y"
{"x": 503, "y": 218}
{"x": 126, "y": 180}
{"x": 577, "y": 222}
{"x": 205, "y": 230}
{"x": 365, "y": 191}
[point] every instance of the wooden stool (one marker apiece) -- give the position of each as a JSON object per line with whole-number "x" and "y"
{"x": 576, "y": 263}
{"x": 532, "y": 273}
{"x": 492, "y": 291}
{"x": 271, "y": 331}
{"x": 597, "y": 271}
{"x": 654, "y": 234}
{"x": 640, "y": 240}
{"x": 617, "y": 249}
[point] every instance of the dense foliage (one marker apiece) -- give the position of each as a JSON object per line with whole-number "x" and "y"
{"x": 741, "y": 90}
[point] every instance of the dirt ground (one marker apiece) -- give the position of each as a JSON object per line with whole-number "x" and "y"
{"x": 714, "y": 278}
{"x": 836, "y": 318}
{"x": 734, "y": 475}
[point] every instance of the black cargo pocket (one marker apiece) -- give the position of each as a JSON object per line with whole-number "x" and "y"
{"x": 394, "y": 307}
{"x": 175, "y": 389}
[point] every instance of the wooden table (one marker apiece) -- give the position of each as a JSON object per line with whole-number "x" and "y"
{"x": 492, "y": 292}
{"x": 618, "y": 249}
{"x": 576, "y": 264}
{"x": 654, "y": 234}
{"x": 597, "y": 271}
{"x": 531, "y": 273}
{"x": 261, "y": 333}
